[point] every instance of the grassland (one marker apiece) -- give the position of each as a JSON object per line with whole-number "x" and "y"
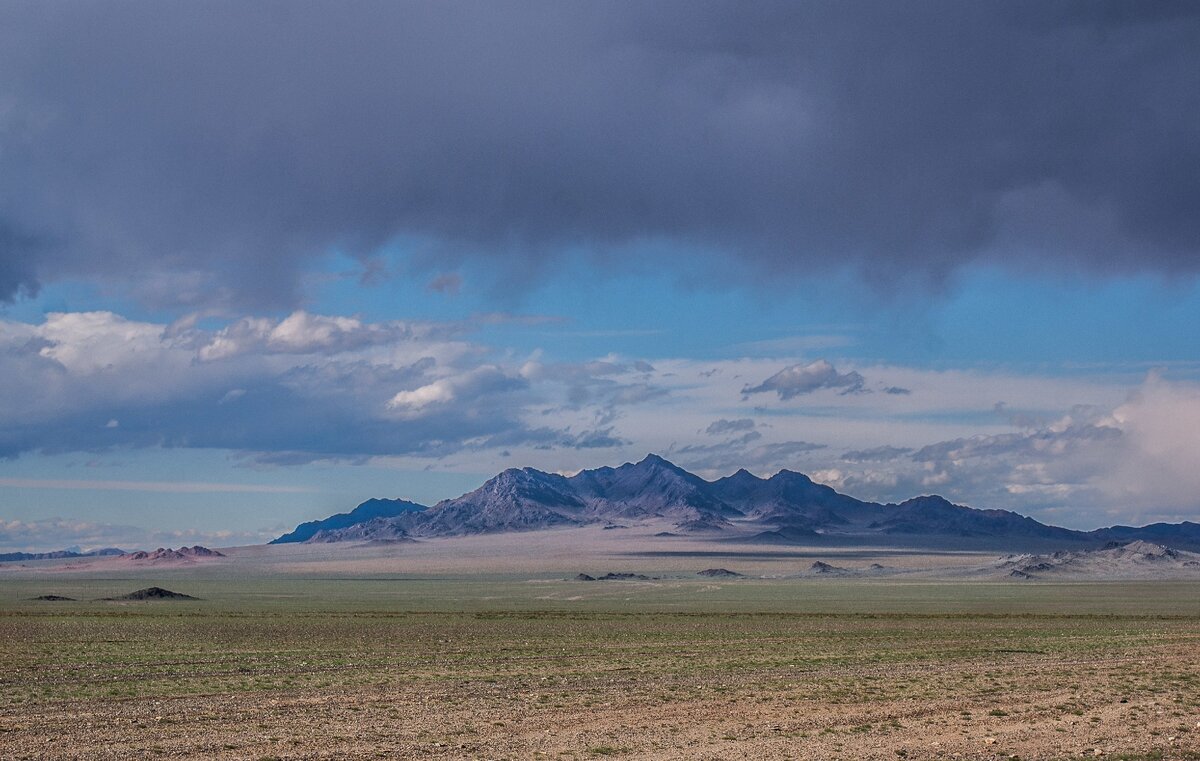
{"x": 526, "y": 667}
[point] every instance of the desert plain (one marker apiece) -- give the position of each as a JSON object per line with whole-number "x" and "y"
{"x": 489, "y": 647}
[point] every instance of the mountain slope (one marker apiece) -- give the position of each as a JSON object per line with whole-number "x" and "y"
{"x": 515, "y": 500}
{"x": 936, "y": 515}
{"x": 787, "y": 497}
{"x": 1185, "y": 533}
{"x": 652, "y": 487}
{"x": 369, "y": 510}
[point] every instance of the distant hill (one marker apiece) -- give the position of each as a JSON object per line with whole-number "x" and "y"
{"x": 59, "y": 555}
{"x": 787, "y": 508}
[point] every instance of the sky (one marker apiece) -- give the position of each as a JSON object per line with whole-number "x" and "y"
{"x": 262, "y": 261}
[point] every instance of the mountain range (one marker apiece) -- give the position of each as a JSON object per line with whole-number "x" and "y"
{"x": 786, "y": 508}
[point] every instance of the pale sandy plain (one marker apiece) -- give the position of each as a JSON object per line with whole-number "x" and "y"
{"x": 556, "y": 551}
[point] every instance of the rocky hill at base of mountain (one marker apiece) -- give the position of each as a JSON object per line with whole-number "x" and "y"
{"x": 1133, "y": 560}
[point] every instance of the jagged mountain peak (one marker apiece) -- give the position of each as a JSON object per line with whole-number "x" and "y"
{"x": 790, "y": 475}
{"x": 652, "y": 459}
{"x": 526, "y": 484}
{"x": 653, "y": 463}
{"x": 741, "y": 476}
{"x": 738, "y": 488}
{"x": 650, "y": 467}
{"x": 651, "y": 487}
{"x": 522, "y": 476}
{"x": 928, "y": 502}
{"x": 787, "y": 498}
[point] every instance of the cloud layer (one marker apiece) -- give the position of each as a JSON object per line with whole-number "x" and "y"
{"x": 208, "y": 153}
{"x": 56, "y": 533}
{"x": 302, "y": 387}
{"x": 309, "y": 387}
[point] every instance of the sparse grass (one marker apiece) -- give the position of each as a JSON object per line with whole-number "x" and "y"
{"x": 607, "y": 750}
{"x": 381, "y": 673}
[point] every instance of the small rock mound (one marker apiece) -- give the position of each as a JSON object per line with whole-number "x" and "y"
{"x": 719, "y": 573}
{"x": 54, "y": 598}
{"x": 623, "y": 577}
{"x": 822, "y": 568}
{"x": 153, "y": 593}
{"x": 584, "y": 577}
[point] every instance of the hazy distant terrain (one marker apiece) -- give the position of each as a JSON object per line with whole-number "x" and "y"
{"x": 638, "y": 548}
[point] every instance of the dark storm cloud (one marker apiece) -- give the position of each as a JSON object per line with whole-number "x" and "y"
{"x": 207, "y": 150}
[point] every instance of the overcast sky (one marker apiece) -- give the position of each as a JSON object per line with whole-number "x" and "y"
{"x": 260, "y": 261}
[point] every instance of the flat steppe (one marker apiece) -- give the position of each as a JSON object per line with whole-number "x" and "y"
{"x": 485, "y": 647}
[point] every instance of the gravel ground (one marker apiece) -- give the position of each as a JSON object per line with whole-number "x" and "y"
{"x": 653, "y": 687}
